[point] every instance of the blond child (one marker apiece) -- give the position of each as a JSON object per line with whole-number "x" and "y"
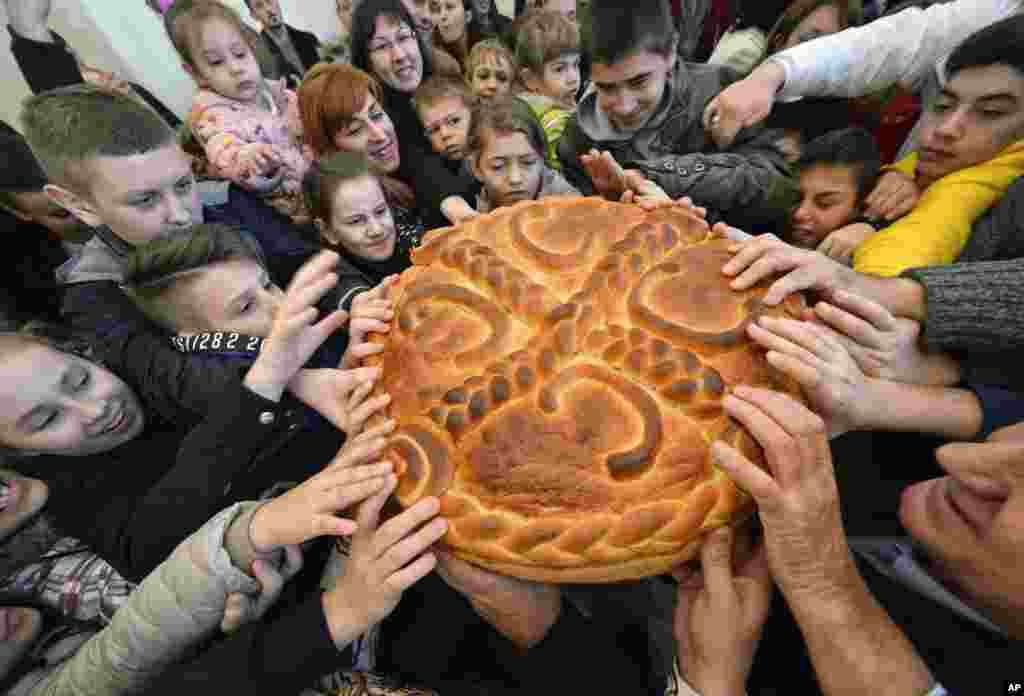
{"x": 491, "y": 69}
{"x": 548, "y": 56}
{"x": 247, "y": 125}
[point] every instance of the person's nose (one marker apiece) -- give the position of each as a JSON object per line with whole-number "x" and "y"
{"x": 952, "y": 125}
{"x": 802, "y": 214}
{"x": 515, "y": 174}
{"x": 179, "y": 210}
{"x": 377, "y": 132}
{"x": 95, "y": 412}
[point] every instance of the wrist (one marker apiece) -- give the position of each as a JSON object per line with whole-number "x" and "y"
{"x": 264, "y": 380}
{"x": 771, "y": 73}
{"x": 261, "y": 535}
{"x": 344, "y": 622}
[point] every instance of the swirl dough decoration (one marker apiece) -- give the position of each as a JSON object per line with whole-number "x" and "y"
{"x": 556, "y": 370}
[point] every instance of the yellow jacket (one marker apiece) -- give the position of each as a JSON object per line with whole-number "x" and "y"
{"x": 936, "y": 230}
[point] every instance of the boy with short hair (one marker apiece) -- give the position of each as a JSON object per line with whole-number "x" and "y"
{"x": 445, "y": 107}
{"x": 117, "y": 166}
{"x": 837, "y": 171}
{"x": 644, "y": 108}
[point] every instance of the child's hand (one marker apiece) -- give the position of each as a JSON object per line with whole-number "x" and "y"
{"x": 340, "y": 395}
{"x": 241, "y": 609}
{"x": 894, "y": 196}
{"x": 371, "y": 312}
{"x": 606, "y": 175}
{"x": 258, "y": 159}
{"x": 814, "y": 356}
{"x": 841, "y": 243}
{"x": 310, "y": 509}
{"x": 385, "y": 560}
{"x": 719, "y": 617}
{"x": 294, "y": 337}
{"x": 457, "y": 210}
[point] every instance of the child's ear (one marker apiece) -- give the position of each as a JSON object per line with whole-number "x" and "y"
{"x": 323, "y": 229}
{"x": 74, "y": 204}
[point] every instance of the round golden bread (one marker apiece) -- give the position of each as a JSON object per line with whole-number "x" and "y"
{"x": 556, "y": 371}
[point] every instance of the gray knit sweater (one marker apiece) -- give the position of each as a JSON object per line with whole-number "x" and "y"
{"x": 976, "y": 305}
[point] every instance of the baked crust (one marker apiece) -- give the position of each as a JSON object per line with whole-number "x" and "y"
{"x": 556, "y": 370}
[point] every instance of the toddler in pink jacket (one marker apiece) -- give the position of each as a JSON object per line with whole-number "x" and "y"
{"x": 248, "y": 126}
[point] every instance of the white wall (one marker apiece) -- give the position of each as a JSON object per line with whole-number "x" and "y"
{"x": 126, "y": 37}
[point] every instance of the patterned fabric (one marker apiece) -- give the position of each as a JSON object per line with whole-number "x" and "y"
{"x": 228, "y": 129}
{"x": 362, "y": 684}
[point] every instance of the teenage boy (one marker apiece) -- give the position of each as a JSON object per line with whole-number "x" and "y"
{"x": 644, "y": 108}
{"x": 118, "y": 168}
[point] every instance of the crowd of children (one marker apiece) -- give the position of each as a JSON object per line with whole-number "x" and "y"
{"x": 191, "y": 497}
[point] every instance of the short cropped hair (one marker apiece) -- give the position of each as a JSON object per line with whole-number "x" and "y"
{"x": 156, "y": 267}
{"x": 491, "y": 50}
{"x": 187, "y": 25}
{"x": 849, "y": 147}
{"x": 505, "y": 115}
{"x": 325, "y": 176}
{"x": 329, "y": 96}
{"x": 1001, "y": 43}
{"x": 19, "y": 170}
{"x": 69, "y": 126}
{"x": 439, "y": 87}
{"x": 545, "y": 36}
{"x": 617, "y": 30}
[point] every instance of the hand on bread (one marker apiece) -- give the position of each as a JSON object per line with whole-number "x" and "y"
{"x": 371, "y": 312}
{"x": 719, "y": 615}
{"x": 797, "y": 497}
{"x": 384, "y": 560}
{"x": 521, "y": 610}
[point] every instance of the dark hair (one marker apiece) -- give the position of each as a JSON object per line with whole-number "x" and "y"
{"x": 850, "y": 147}
{"x": 505, "y": 114}
{"x": 1001, "y": 43}
{"x": 69, "y": 126}
{"x": 19, "y": 170}
{"x": 325, "y": 176}
{"x": 615, "y": 30}
{"x": 364, "y": 24}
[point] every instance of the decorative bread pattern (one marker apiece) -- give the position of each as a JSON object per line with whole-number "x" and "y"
{"x": 556, "y": 370}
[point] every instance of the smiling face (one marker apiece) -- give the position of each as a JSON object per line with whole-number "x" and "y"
{"x": 828, "y": 201}
{"x": 57, "y": 403}
{"x": 446, "y": 123}
{"x": 233, "y": 296}
{"x": 629, "y": 91}
{"x": 225, "y": 63}
{"x": 361, "y": 221}
{"x": 372, "y": 133}
{"x": 451, "y": 19}
{"x": 979, "y": 112}
{"x": 491, "y": 77}
{"x": 419, "y": 10}
{"x": 971, "y": 523}
{"x": 140, "y": 197}
{"x": 395, "y": 55}
{"x": 508, "y": 167}
{"x": 822, "y": 22}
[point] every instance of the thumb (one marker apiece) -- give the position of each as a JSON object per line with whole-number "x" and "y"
{"x": 716, "y": 560}
{"x": 237, "y": 609}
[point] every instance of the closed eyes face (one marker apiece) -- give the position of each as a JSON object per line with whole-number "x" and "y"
{"x": 979, "y": 112}
{"x": 225, "y": 63}
{"x": 446, "y": 124}
{"x": 231, "y": 296}
{"x": 361, "y": 221}
{"x": 56, "y": 403}
{"x": 822, "y": 22}
{"x": 509, "y": 168}
{"x": 828, "y": 202}
{"x": 371, "y": 132}
{"x": 491, "y": 78}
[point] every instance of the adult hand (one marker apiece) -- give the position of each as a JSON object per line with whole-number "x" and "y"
{"x": 294, "y": 336}
{"x": 606, "y": 175}
{"x": 841, "y": 243}
{"x": 241, "y": 609}
{"x": 884, "y": 346}
{"x": 894, "y": 196}
{"x": 311, "y": 509}
{"x": 797, "y": 497}
{"x": 340, "y": 396}
{"x": 743, "y": 104}
{"x": 371, "y": 312}
{"x": 813, "y": 355}
{"x": 766, "y": 255}
{"x": 520, "y": 610}
{"x": 384, "y": 561}
{"x": 718, "y": 620}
